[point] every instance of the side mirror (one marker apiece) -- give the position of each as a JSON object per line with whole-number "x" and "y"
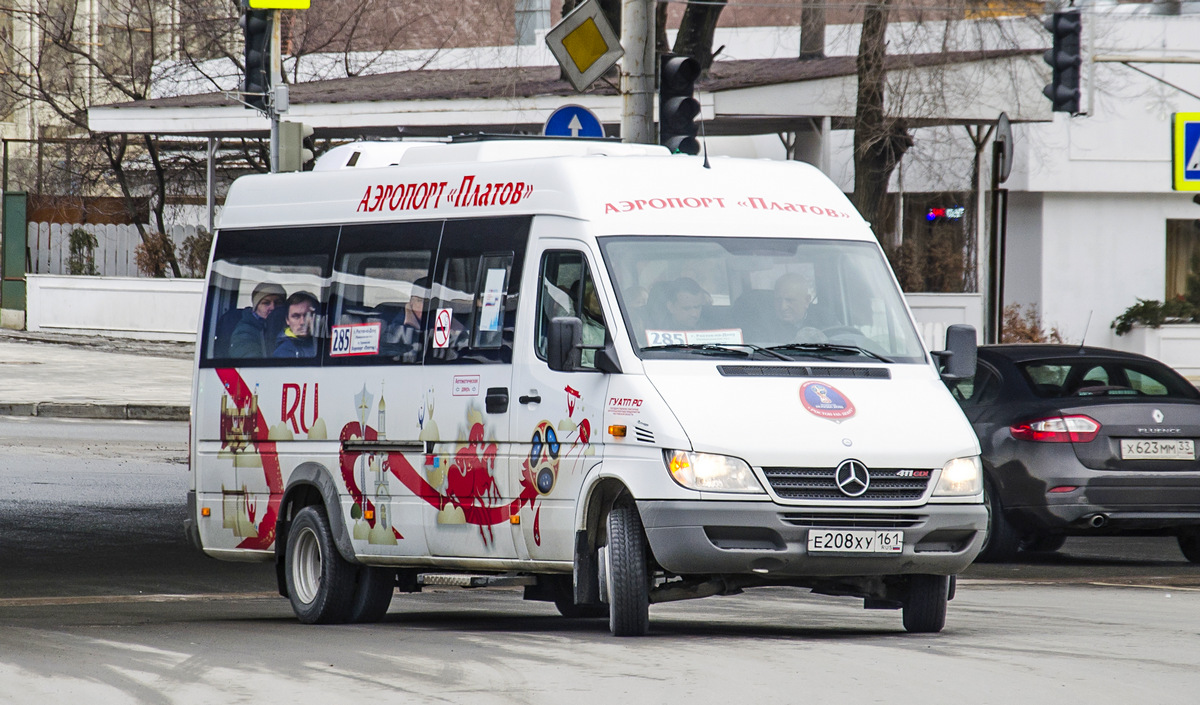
{"x": 958, "y": 359}
{"x": 564, "y": 344}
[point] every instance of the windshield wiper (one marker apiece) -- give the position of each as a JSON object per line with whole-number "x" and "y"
{"x": 735, "y": 348}
{"x": 818, "y": 348}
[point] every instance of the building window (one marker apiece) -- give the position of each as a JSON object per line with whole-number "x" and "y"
{"x": 1183, "y": 256}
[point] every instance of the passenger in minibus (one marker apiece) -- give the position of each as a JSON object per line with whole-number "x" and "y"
{"x": 408, "y": 335}
{"x": 683, "y": 303}
{"x": 297, "y": 340}
{"x": 249, "y": 337}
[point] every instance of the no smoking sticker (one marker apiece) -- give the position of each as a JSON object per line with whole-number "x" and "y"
{"x": 441, "y": 328}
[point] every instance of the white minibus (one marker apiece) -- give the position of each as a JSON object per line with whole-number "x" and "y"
{"x": 608, "y": 374}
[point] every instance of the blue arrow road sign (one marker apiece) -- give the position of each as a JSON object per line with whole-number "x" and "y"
{"x": 573, "y": 121}
{"x": 1186, "y": 148}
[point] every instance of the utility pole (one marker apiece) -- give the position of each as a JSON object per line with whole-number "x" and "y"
{"x": 276, "y": 63}
{"x": 637, "y": 72}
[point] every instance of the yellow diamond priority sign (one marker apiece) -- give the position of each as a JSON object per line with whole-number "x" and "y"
{"x": 584, "y": 44}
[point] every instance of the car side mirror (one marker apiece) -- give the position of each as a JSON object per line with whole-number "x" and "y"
{"x": 958, "y": 359}
{"x": 564, "y": 348}
{"x": 564, "y": 344}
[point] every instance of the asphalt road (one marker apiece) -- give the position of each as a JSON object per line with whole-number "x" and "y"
{"x": 102, "y": 601}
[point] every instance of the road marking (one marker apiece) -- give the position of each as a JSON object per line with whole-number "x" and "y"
{"x": 983, "y": 582}
{"x": 119, "y": 599}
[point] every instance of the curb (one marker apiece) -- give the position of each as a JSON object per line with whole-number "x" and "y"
{"x": 87, "y": 410}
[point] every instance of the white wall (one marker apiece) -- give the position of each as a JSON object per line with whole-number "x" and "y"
{"x": 127, "y": 307}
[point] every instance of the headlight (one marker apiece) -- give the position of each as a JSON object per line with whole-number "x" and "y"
{"x": 711, "y": 473}
{"x": 961, "y": 477}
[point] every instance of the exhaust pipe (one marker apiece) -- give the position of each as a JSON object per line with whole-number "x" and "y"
{"x": 1097, "y": 520}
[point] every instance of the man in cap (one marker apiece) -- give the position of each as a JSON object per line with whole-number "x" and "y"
{"x": 250, "y": 336}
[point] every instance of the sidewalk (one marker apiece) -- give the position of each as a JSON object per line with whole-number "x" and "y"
{"x": 50, "y": 374}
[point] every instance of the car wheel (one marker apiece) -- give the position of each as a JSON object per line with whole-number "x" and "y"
{"x": 321, "y": 584}
{"x": 1002, "y": 541}
{"x": 372, "y": 594}
{"x": 1189, "y": 543}
{"x": 626, "y": 576}
{"x": 924, "y": 608}
{"x": 1044, "y": 543}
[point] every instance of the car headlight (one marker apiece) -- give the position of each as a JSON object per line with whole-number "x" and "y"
{"x": 960, "y": 477}
{"x": 711, "y": 473}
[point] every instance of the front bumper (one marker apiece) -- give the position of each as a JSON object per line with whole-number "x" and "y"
{"x": 770, "y": 540}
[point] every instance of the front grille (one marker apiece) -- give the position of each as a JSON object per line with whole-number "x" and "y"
{"x": 830, "y": 520}
{"x": 887, "y": 484}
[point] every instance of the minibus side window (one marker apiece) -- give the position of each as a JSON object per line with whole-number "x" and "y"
{"x": 566, "y": 288}
{"x": 475, "y": 291}
{"x": 382, "y": 283}
{"x": 257, "y": 278}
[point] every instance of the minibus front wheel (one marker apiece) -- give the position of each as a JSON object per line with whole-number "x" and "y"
{"x": 626, "y": 573}
{"x": 320, "y": 582}
{"x": 924, "y": 610}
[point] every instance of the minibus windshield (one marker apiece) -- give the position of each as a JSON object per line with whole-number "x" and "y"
{"x": 764, "y": 298}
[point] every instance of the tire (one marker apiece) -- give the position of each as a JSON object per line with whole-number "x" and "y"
{"x": 372, "y": 594}
{"x": 1189, "y": 543}
{"x": 321, "y": 584}
{"x": 1002, "y": 541}
{"x": 1044, "y": 543}
{"x": 925, "y": 605}
{"x": 627, "y": 577}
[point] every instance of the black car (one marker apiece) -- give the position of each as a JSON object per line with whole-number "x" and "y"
{"x": 1081, "y": 441}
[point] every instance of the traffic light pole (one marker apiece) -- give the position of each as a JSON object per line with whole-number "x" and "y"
{"x": 637, "y": 72}
{"x": 276, "y": 80}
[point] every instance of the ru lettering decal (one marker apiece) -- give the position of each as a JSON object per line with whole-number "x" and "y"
{"x": 823, "y": 400}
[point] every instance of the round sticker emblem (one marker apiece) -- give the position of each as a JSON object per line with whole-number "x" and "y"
{"x": 823, "y": 400}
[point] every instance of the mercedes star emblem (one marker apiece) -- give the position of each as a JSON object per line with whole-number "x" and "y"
{"x": 852, "y": 478}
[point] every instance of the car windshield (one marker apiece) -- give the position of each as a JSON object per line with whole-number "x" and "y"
{"x": 761, "y": 298}
{"x": 1111, "y": 379}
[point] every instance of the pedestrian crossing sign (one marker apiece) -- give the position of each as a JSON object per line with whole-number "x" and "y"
{"x": 1186, "y": 152}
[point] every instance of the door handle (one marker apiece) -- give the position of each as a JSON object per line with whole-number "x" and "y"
{"x": 496, "y": 401}
{"x": 530, "y": 398}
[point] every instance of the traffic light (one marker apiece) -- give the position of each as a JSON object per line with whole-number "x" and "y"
{"x": 295, "y": 146}
{"x": 1065, "y": 58}
{"x": 256, "y": 27}
{"x": 677, "y": 106}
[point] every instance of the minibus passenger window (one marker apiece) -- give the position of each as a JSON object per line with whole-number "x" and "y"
{"x": 381, "y": 290}
{"x": 266, "y": 297}
{"x": 473, "y": 311}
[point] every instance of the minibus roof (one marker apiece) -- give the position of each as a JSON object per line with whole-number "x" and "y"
{"x": 618, "y": 188}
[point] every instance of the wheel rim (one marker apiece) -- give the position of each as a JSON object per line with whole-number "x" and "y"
{"x": 306, "y": 565}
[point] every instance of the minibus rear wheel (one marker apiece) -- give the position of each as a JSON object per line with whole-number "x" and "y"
{"x": 925, "y": 606}
{"x": 321, "y": 584}
{"x": 626, "y": 574}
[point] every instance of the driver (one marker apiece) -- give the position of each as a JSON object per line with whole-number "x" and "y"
{"x": 797, "y": 320}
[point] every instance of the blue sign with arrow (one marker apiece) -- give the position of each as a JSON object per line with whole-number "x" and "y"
{"x": 573, "y": 121}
